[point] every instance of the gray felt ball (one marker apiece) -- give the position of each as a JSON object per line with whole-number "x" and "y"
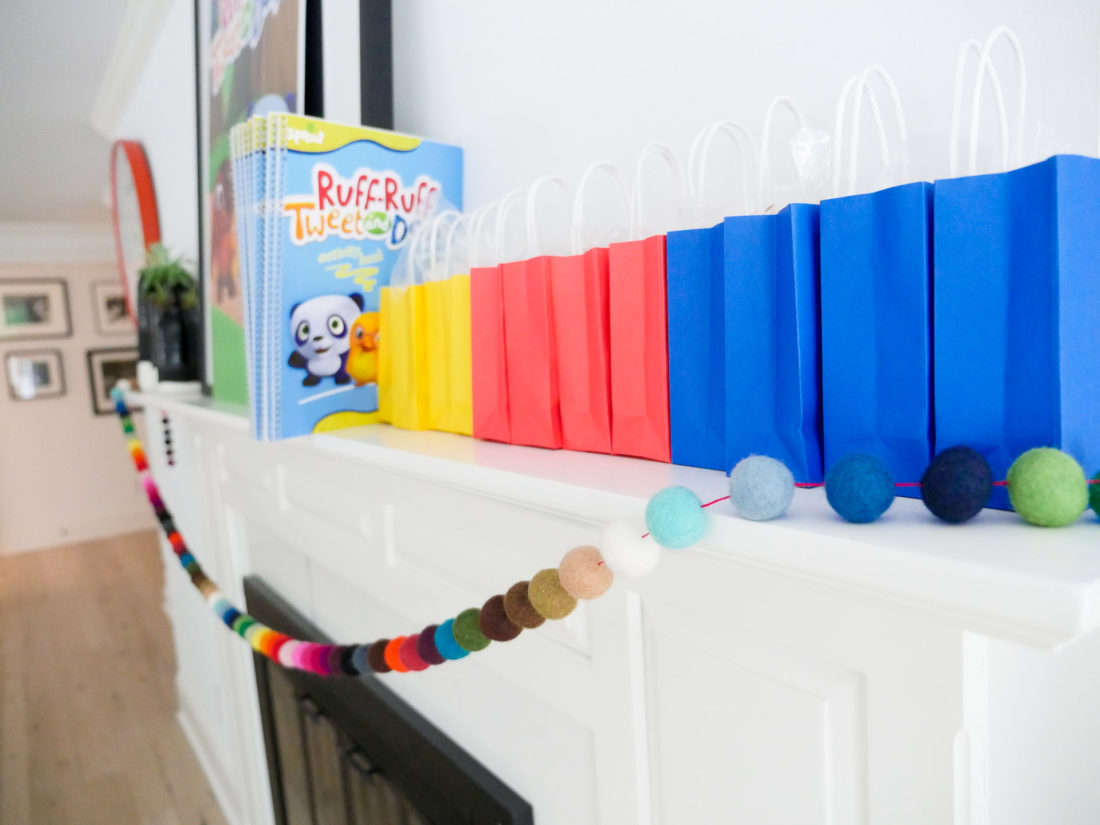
{"x": 761, "y": 488}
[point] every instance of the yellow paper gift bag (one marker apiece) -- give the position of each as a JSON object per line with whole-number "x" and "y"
{"x": 404, "y": 362}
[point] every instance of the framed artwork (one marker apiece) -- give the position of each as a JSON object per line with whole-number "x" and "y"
{"x": 105, "y": 368}
{"x": 34, "y": 375}
{"x": 110, "y": 308}
{"x": 34, "y": 308}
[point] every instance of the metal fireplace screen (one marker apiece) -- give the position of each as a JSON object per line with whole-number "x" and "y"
{"x": 343, "y": 750}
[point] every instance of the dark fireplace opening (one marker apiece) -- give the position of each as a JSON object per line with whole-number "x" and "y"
{"x": 344, "y": 750}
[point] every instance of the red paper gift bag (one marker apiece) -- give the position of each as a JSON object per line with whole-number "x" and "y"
{"x": 579, "y": 289}
{"x": 531, "y": 353}
{"x": 638, "y": 303}
{"x": 490, "y": 377}
{"x": 531, "y": 357}
{"x": 639, "y": 348}
{"x": 579, "y": 286}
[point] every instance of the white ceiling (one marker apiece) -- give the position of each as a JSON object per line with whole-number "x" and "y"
{"x": 53, "y": 55}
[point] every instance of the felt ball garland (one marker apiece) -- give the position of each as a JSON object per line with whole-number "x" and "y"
{"x": 1046, "y": 486}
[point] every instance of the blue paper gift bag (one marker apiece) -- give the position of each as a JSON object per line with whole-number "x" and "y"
{"x": 773, "y": 339}
{"x": 876, "y": 336}
{"x": 1016, "y": 308}
{"x": 696, "y": 347}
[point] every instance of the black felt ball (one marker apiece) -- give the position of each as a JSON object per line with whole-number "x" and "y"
{"x": 957, "y": 484}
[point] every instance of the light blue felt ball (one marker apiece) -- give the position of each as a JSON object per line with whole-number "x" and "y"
{"x": 761, "y": 488}
{"x": 675, "y": 518}
{"x": 445, "y": 642}
{"x": 859, "y": 487}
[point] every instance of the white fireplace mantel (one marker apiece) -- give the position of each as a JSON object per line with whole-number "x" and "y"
{"x": 798, "y": 671}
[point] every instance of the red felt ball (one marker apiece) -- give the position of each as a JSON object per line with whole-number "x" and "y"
{"x": 519, "y": 609}
{"x": 583, "y": 574}
{"x": 494, "y": 621}
{"x": 408, "y": 653}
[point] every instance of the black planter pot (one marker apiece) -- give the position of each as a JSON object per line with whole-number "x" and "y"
{"x": 169, "y": 337}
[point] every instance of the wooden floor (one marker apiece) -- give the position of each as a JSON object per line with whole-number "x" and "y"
{"x": 87, "y": 699}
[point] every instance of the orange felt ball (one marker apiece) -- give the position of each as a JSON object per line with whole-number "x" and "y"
{"x": 548, "y": 597}
{"x": 393, "y": 655}
{"x": 583, "y": 574}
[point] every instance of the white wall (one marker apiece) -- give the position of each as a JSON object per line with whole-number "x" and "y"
{"x": 160, "y": 113}
{"x": 65, "y": 474}
{"x": 536, "y": 88}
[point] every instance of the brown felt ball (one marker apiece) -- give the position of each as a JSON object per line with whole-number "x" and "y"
{"x": 548, "y": 597}
{"x": 494, "y": 622}
{"x": 583, "y": 574}
{"x": 376, "y": 657}
{"x": 518, "y": 607}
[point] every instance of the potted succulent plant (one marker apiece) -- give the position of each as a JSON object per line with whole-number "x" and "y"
{"x": 168, "y": 316}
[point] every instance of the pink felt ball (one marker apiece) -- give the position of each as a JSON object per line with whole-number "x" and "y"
{"x": 583, "y": 574}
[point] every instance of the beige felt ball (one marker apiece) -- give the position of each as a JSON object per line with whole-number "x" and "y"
{"x": 583, "y": 573}
{"x": 548, "y": 597}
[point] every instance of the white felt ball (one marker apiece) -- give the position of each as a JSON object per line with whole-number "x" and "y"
{"x": 626, "y": 552}
{"x": 124, "y": 384}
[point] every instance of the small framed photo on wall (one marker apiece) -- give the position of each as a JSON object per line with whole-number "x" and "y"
{"x": 34, "y": 308}
{"x": 34, "y": 375}
{"x": 109, "y": 308}
{"x": 105, "y": 368}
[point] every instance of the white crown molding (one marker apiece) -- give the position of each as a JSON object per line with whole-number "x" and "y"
{"x": 27, "y": 242}
{"x": 141, "y": 24}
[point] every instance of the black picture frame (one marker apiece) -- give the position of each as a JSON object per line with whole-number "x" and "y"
{"x": 54, "y": 355}
{"x": 100, "y": 383}
{"x": 32, "y": 289}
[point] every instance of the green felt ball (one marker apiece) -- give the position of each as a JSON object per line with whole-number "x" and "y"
{"x": 1094, "y": 494}
{"x": 1047, "y": 487}
{"x": 467, "y": 632}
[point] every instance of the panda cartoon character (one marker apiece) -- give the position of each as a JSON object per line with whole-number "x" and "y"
{"x": 320, "y": 327}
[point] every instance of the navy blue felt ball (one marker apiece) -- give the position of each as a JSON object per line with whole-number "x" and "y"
{"x": 859, "y": 487}
{"x": 957, "y": 484}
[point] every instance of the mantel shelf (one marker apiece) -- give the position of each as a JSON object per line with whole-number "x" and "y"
{"x": 996, "y": 574}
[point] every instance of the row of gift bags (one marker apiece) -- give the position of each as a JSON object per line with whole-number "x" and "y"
{"x": 898, "y": 322}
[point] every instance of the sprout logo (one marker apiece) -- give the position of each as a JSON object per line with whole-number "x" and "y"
{"x": 376, "y": 223}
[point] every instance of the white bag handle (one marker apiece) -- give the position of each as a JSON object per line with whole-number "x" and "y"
{"x": 860, "y": 86}
{"x": 578, "y": 202}
{"x": 973, "y": 46}
{"x": 985, "y": 66}
{"x": 477, "y": 234}
{"x": 700, "y": 151}
{"x": 466, "y": 221}
{"x": 433, "y": 245}
{"x": 766, "y": 139}
{"x": 506, "y": 203}
{"x": 534, "y": 247}
{"x": 662, "y": 151}
{"x": 409, "y": 276}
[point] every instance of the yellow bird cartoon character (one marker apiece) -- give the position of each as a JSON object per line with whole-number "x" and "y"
{"x": 362, "y": 363}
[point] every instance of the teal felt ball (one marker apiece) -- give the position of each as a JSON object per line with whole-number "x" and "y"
{"x": 1094, "y": 494}
{"x": 1047, "y": 487}
{"x": 859, "y": 487}
{"x": 761, "y": 488}
{"x": 675, "y": 518}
